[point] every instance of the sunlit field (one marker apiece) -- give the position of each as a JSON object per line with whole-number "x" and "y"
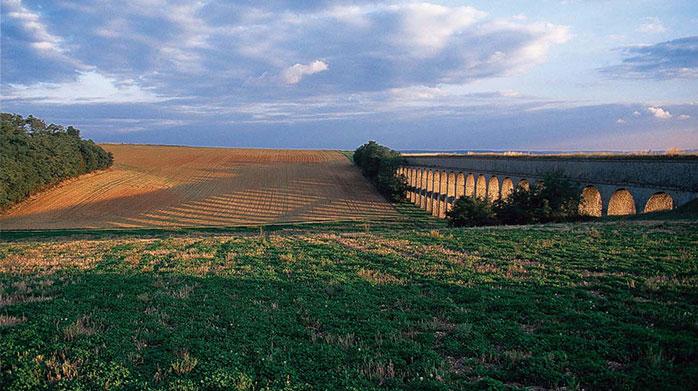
{"x": 593, "y": 306}
{"x": 160, "y": 186}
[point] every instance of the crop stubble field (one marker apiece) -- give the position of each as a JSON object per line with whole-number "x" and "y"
{"x": 164, "y": 186}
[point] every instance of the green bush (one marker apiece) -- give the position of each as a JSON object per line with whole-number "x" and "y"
{"x": 34, "y": 155}
{"x": 470, "y": 212}
{"x": 379, "y": 164}
{"x": 555, "y": 199}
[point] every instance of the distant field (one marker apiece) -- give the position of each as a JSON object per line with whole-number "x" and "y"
{"x": 586, "y": 306}
{"x": 161, "y": 186}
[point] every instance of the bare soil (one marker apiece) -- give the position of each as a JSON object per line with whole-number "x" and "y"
{"x": 165, "y": 186}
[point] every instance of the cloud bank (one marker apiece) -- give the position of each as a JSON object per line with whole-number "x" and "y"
{"x": 675, "y": 59}
{"x": 88, "y": 88}
{"x": 219, "y": 72}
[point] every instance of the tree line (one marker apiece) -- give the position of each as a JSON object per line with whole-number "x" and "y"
{"x": 34, "y": 156}
{"x": 379, "y": 164}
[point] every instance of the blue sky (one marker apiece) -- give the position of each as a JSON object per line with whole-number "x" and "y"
{"x": 541, "y": 75}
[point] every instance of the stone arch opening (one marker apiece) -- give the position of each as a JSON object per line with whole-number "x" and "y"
{"x": 460, "y": 184}
{"x": 590, "y": 204}
{"x": 470, "y": 185}
{"x": 451, "y": 191}
{"x": 481, "y": 191}
{"x": 452, "y": 184}
{"x": 443, "y": 191}
{"x": 423, "y": 188}
{"x": 413, "y": 185}
{"x": 436, "y": 194}
{"x": 622, "y": 203}
{"x": 524, "y": 184}
{"x": 493, "y": 188}
{"x": 659, "y": 201}
{"x": 430, "y": 190}
{"x": 507, "y": 187}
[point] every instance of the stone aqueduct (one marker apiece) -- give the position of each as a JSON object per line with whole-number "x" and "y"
{"x": 611, "y": 185}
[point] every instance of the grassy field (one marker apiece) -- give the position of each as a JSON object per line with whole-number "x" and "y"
{"x": 594, "y": 306}
{"x": 153, "y": 186}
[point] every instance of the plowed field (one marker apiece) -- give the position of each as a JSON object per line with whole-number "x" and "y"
{"x": 161, "y": 186}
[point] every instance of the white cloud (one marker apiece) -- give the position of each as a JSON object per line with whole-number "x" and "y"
{"x": 295, "y": 73}
{"x": 88, "y": 87}
{"x": 620, "y": 121}
{"x": 652, "y": 26}
{"x": 531, "y": 52}
{"x": 426, "y": 27}
{"x": 659, "y": 112}
{"x": 636, "y": 113}
{"x": 405, "y": 43}
{"x": 684, "y": 117}
{"x": 43, "y": 41}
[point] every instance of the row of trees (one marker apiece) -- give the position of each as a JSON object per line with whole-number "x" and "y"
{"x": 555, "y": 199}
{"x": 34, "y": 156}
{"x": 379, "y": 164}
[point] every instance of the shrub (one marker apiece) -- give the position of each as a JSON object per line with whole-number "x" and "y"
{"x": 379, "y": 164}
{"x": 555, "y": 199}
{"x": 34, "y": 155}
{"x": 469, "y": 212}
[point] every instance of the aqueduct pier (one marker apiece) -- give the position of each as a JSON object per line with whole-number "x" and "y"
{"x": 611, "y": 184}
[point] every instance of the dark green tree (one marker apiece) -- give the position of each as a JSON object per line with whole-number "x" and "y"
{"x": 34, "y": 156}
{"x": 471, "y": 212}
{"x": 554, "y": 199}
{"x": 379, "y": 164}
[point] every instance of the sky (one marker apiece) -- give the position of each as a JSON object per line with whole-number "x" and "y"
{"x": 477, "y": 75}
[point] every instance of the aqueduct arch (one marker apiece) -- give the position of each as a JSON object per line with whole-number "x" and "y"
{"x": 452, "y": 186}
{"x": 524, "y": 184}
{"x": 493, "y": 188}
{"x": 507, "y": 187}
{"x": 435, "y": 194}
{"x": 423, "y": 187}
{"x": 591, "y": 203}
{"x": 460, "y": 185}
{"x": 659, "y": 201}
{"x": 430, "y": 191}
{"x": 470, "y": 185}
{"x": 443, "y": 191}
{"x": 481, "y": 187}
{"x": 621, "y": 203}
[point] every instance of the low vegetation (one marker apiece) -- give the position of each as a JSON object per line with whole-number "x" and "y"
{"x": 34, "y": 156}
{"x": 576, "y": 306}
{"x": 379, "y": 164}
{"x": 554, "y": 199}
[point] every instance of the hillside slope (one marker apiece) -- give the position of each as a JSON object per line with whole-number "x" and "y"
{"x": 163, "y": 186}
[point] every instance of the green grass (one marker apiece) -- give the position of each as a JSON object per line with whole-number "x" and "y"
{"x": 594, "y": 306}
